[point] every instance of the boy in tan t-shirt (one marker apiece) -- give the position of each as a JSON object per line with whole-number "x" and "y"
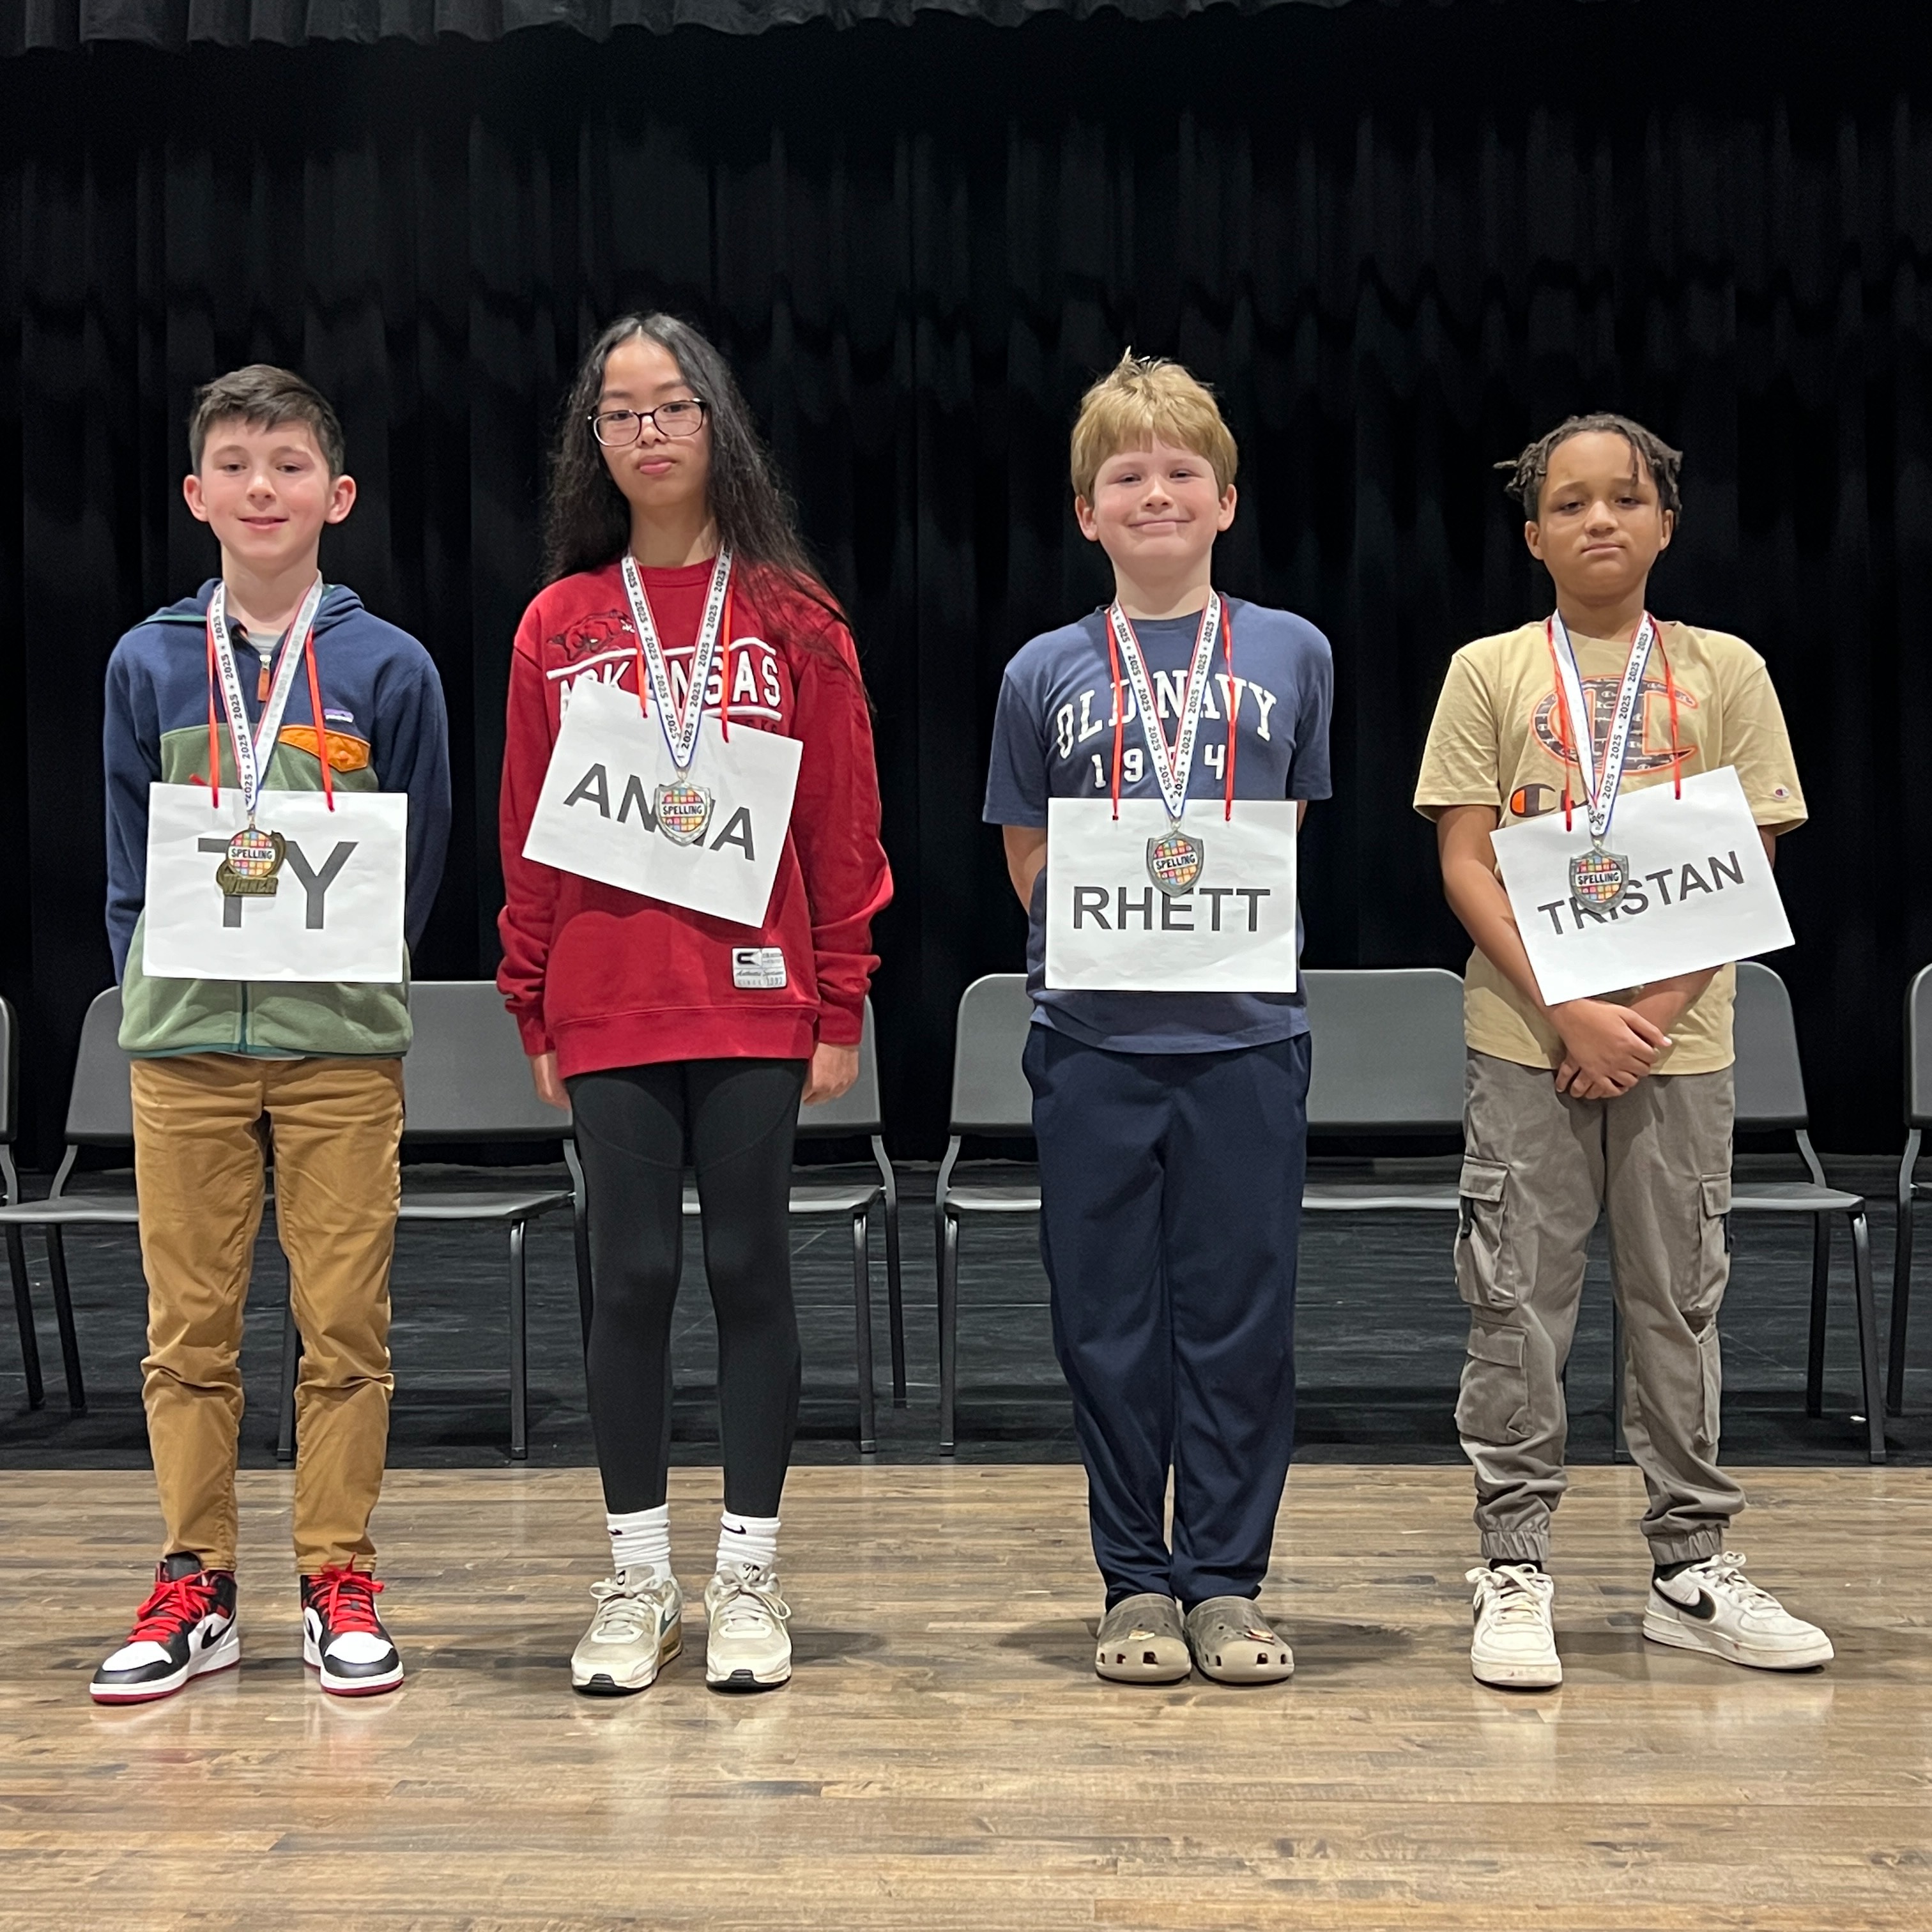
{"x": 1621, "y": 1103}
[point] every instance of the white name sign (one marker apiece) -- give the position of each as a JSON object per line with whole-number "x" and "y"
{"x": 1701, "y": 890}
{"x": 611, "y": 777}
{"x": 1225, "y": 925}
{"x": 336, "y": 910}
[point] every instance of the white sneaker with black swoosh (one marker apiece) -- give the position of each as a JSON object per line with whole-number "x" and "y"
{"x": 1712, "y": 1605}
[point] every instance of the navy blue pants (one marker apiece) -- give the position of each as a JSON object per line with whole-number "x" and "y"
{"x": 1171, "y": 1185}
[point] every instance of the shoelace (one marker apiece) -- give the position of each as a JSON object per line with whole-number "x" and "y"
{"x": 1726, "y": 1573}
{"x": 1514, "y": 1598}
{"x": 176, "y": 1601}
{"x": 749, "y": 1599}
{"x": 623, "y": 1613}
{"x": 345, "y": 1597}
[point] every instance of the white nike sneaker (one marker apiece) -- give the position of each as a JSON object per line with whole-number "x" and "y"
{"x": 747, "y": 1647}
{"x": 1514, "y": 1646}
{"x": 1714, "y": 1606}
{"x": 637, "y": 1630}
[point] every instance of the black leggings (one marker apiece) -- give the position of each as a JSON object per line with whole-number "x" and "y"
{"x": 738, "y": 1118}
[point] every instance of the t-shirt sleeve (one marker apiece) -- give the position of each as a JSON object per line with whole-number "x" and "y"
{"x": 1016, "y": 773}
{"x": 1462, "y": 761}
{"x": 1757, "y": 743}
{"x": 1308, "y": 771}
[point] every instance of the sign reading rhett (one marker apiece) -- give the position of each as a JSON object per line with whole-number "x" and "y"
{"x": 1133, "y": 905}
{"x": 615, "y": 807}
{"x": 1699, "y": 890}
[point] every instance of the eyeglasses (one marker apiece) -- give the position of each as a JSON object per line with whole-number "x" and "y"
{"x": 617, "y": 428}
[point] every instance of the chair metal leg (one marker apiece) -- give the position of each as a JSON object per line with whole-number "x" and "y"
{"x": 77, "y": 1395}
{"x": 895, "y": 1298}
{"x": 948, "y": 1330}
{"x": 1821, "y": 1288}
{"x": 1901, "y": 1278}
{"x": 23, "y": 1313}
{"x": 520, "y": 1392}
{"x": 1618, "y": 1453}
{"x": 291, "y": 1353}
{"x": 1861, "y": 1281}
{"x": 861, "y": 1311}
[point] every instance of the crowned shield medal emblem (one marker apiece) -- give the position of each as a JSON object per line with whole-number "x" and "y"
{"x": 1600, "y": 879}
{"x": 248, "y": 868}
{"x": 682, "y": 810}
{"x": 1175, "y": 862}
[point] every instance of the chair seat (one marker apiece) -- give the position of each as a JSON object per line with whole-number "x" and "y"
{"x": 816, "y": 1198}
{"x": 72, "y": 1210}
{"x": 1369, "y": 1197}
{"x": 1013, "y": 1197}
{"x": 1791, "y": 1197}
{"x": 481, "y": 1204}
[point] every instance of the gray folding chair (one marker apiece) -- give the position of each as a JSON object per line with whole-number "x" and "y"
{"x": 466, "y": 1080}
{"x": 991, "y": 1099}
{"x": 99, "y": 1113}
{"x": 1918, "y": 1117}
{"x": 10, "y": 1195}
{"x": 856, "y": 1112}
{"x": 1770, "y": 1086}
{"x": 1389, "y": 1059}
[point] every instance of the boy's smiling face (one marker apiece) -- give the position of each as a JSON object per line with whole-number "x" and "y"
{"x": 1156, "y": 512}
{"x": 1599, "y": 526}
{"x": 266, "y": 493}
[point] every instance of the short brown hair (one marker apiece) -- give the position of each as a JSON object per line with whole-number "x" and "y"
{"x": 1142, "y": 400}
{"x": 264, "y": 397}
{"x": 1528, "y": 472}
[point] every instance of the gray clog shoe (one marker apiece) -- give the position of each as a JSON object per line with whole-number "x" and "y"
{"x": 1233, "y": 1643}
{"x": 1141, "y": 1642}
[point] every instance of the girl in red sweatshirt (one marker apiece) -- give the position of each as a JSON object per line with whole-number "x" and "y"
{"x": 673, "y": 560}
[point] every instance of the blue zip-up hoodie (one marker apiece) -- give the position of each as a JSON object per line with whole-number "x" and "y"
{"x": 385, "y": 730}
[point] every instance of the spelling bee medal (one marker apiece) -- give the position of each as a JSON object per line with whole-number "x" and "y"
{"x": 1175, "y": 862}
{"x": 682, "y": 811}
{"x": 248, "y": 869}
{"x": 1600, "y": 879}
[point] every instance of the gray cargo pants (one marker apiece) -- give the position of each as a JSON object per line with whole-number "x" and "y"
{"x": 1538, "y": 1167}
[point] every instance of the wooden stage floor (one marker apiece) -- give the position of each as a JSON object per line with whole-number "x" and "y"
{"x": 944, "y": 1758}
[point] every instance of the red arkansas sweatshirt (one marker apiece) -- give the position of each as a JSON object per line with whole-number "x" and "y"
{"x": 609, "y": 978}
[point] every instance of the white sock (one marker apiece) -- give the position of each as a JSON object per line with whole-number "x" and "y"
{"x": 641, "y": 1540}
{"x": 752, "y": 1540}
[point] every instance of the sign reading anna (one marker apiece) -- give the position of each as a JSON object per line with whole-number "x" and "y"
{"x": 615, "y": 807}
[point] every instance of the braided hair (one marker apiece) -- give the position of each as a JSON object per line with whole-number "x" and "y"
{"x": 1527, "y": 471}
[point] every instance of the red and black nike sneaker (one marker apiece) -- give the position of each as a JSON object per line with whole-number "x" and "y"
{"x": 342, "y": 1636}
{"x": 185, "y": 1628}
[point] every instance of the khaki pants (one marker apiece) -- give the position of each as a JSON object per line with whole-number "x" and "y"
{"x": 1537, "y": 1168}
{"x": 202, "y": 1124}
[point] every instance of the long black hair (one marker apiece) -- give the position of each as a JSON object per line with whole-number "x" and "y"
{"x": 587, "y": 519}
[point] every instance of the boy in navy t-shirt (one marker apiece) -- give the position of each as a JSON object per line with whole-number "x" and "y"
{"x": 1172, "y": 1126}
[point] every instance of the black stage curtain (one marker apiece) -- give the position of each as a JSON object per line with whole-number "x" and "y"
{"x": 1400, "y": 242}
{"x": 175, "y": 24}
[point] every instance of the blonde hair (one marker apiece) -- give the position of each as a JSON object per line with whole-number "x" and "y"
{"x": 1141, "y": 401}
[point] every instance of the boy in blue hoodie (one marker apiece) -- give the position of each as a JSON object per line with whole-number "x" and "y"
{"x": 224, "y": 1070}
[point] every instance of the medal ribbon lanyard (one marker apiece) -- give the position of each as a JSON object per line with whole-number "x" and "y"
{"x": 680, "y": 728}
{"x": 1578, "y": 732}
{"x": 1173, "y": 768}
{"x": 253, "y": 750}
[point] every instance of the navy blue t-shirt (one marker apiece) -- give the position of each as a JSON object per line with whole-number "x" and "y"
{"x": 1053, "y": 737}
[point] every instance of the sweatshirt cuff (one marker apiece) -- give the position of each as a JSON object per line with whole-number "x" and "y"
{"x": 536, "y": 1037}
{"x": 838, "y": 1024}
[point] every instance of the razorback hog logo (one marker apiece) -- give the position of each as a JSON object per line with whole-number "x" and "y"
{"x": 1650, "y": 742}
{"x": 607, "y": 631}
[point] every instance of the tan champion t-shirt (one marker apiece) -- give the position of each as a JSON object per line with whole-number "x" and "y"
{"x": 1496, "y": 741}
